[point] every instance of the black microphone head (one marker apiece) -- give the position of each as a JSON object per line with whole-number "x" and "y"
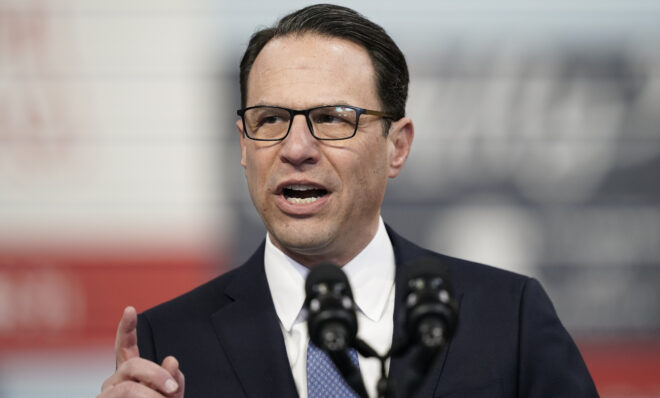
{"x": 326, "y": 274}
{"x": 426, "y": 268}
{"x": 431, "y": 313}
{"x": 331, "y": 318}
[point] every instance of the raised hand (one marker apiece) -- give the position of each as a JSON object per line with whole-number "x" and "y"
{"x": 138, "y": 377}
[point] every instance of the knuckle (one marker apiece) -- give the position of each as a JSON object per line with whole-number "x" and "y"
{"x": 109, "y": 382}
{"x": 131, "y": 366}
{"x": 128, "y": 389}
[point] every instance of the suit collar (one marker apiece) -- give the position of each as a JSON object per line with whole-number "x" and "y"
{"x": 250, "y": 334}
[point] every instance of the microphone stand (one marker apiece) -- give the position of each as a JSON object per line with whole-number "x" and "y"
{"x": 423, "y": 359}
{"x": 384, "y": 386}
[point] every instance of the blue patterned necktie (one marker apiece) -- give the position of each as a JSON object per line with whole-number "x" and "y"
{"x": 323, "y": 378}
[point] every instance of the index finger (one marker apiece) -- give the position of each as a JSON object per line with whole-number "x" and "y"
{"x": 126, "y": 341}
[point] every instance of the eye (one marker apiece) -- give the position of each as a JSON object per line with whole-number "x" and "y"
{"x": 270, "y": 119}
{"x": 261, "y": 117}
{"x": 334, "y": 115}
{"x": 328, "y": 118}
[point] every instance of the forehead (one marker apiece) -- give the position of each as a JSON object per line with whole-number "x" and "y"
{"x": 306, "y": 70}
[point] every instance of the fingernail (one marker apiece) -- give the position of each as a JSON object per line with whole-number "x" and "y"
{"x": 171, "y": 386}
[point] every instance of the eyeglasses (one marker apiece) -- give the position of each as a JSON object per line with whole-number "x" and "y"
{"x": 330, "y": 122}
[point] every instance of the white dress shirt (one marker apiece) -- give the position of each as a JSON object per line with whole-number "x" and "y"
{"x": 371, "y": 275}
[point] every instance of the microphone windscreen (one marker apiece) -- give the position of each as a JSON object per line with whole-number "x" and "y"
{"x": 427, "y": 268}
{"x": 326, "y": 273}
{"x": 431, "y": 313}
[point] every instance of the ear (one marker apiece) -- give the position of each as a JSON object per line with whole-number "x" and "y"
{"x": 239, "y": 127}
{"x": 400, "y": 139}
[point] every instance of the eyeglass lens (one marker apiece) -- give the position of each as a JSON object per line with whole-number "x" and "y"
{"x": 328, "y": 122}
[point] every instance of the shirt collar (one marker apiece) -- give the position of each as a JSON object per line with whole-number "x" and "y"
{"x": 371, "y": 274}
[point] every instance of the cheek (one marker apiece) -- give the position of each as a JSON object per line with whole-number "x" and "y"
{"x": 376, "y": 164}
{"x": 369, "y": 177}
{"x": 253, "y": 165}
{"x": 253, "y": 174}
{"x": 259, "y": 168}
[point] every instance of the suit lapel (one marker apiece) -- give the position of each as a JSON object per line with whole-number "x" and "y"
{"x": 404, "y": 253}
{"x": 249, "y": 332}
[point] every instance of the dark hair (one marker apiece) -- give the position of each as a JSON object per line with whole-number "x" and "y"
{"x": 344, "y": 23}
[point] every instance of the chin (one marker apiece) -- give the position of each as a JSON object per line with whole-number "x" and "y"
{"x": 307, "y": 245}
{"x": 301, "y": 241}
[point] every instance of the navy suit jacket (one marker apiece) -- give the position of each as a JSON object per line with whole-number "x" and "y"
{"x": 509, "y": 341}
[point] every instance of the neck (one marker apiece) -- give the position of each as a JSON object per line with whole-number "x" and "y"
{"x": 337, "y": 253}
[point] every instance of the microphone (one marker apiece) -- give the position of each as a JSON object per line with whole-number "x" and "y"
{"x": 430, "y": 318}
{"x": 430, "y": 311}
{"x": 331, "y": 319}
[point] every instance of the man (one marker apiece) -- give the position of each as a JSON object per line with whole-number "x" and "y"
{"x": 322, "y": 128}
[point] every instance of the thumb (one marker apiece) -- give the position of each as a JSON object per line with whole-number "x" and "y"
{"x": 172, "y": 365}
{"x": 126, "y": 341}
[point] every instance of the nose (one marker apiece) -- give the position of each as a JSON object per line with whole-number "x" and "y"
{"x": 299, "y": 147}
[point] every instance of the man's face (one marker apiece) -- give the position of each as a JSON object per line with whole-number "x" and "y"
{"x": 348, "y": 177}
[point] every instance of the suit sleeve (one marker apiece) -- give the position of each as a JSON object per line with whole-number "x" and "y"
{"x": 145, "y": 339}
{"x": 550, "y": 362}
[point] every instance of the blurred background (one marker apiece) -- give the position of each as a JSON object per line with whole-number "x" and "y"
{"x": 537, "y": 150}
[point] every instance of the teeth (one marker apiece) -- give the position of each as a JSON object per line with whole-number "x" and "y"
{"x": 300, "y": 187}
{"x": 303, "y": 193}
{"x": 299, "y": 201}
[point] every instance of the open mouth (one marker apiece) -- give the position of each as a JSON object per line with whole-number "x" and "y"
{"x": 303, "y": 194}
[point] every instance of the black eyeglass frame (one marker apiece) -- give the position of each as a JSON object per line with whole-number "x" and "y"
{"x": 293, "y": 112}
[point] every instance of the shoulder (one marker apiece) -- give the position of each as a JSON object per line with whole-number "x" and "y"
{"x": 195, "y": 300}
{"x": 507, "y": 330}
{"x": 161, "y": 329}
{"x": 465, "y": 275}
{"x": 207, "y": 298}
